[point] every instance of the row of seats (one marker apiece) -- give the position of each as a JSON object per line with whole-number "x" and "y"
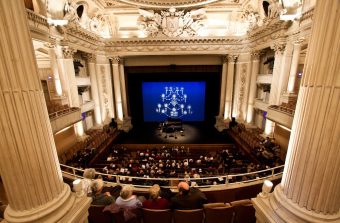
{"x": 241, "y": 211}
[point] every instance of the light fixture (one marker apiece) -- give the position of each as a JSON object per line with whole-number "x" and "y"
{"x": 266, "y": 188}
{"x": 78, "y": 187}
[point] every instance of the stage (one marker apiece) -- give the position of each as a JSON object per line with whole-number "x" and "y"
{"x": 189, "y": 133}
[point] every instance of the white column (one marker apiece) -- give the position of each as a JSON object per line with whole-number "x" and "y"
{"x": 54, "y": 68}
{"x": 122, "y": 85}
{"x": 117, "y": 89}
{"x": 67, "y": 68}
{"x": 230, "y": 86}
{"x": 220, "y": 125}
{"x": 252, "y": 90}
{"x": 275, "y": 89}
{"x": 310, "y": 186}
{"x": 94, "y": 88}
{"x": 285, "y": 69}
{"x": 223, "y": 85}
{"x": 294, "y": 66}
{"x": 104, "y": 82}
{"x": 29, "y": 164}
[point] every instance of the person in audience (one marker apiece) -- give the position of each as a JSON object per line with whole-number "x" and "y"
{"x": 188, "y": 198}
{"x": 99, "y": 198}
{"x": 155, "y": 201}
{"x": 88, "y": 175}
{"x": 127, "y": 199}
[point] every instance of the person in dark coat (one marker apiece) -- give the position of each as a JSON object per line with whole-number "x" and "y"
{"x": 188, "y": 198}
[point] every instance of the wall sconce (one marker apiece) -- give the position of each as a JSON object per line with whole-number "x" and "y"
{"x": 78, "y": 187}
{"x": 266, "y": 188}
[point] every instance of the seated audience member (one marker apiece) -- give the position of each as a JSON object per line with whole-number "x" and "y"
{"x": 127, "y": 199}
{"x": 99, "y": 198}
{"x": 188, "y": 198}
{"x": 155, "y": 201}
{"x": 88, "y": 175}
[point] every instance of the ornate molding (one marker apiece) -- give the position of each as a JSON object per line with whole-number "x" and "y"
{"x": 159, "y": 46}
{"x": 242, "y": 90}
{"x": 68, "y": 52}
{"x": 224, "y": 59}
{"x": 36, "y": 18}
{"x": 165, "y": 4}
{"x": 171, "y": 23}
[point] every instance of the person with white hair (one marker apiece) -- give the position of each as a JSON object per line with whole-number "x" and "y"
{"x": 127, "y": 199}
{"x": 89, "y": 175}
{"x": 99, "y": 198}
{"x": 155, "y": 201}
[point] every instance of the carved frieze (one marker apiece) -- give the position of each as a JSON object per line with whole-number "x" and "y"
{"x": 242, "y": 90}
{"x": 171, "y": 23}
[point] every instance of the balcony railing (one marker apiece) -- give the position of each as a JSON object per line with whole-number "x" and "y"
{"x": 224, "y": 181}
{"x": 64, "y": 118}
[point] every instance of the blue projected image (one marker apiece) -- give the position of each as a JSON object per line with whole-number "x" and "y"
{"x": 181, "y": 100}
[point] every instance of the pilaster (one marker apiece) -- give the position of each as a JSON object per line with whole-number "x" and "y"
{"x": 220, "y": 125}
{"x": 230, "y": 87}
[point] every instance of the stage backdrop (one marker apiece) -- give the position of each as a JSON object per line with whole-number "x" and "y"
{"x": 179, "y": 100}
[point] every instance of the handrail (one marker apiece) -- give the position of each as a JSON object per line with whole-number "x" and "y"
{"x": 72, "y": 171}
{"x": 283, "y": 109}
{"x": 63, "y": 112}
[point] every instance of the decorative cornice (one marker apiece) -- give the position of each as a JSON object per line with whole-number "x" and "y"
{"x": 164, "y": 4}
{"x": 36, "y": 18}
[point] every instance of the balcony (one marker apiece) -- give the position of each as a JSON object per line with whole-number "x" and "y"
{"x": 264, "y": 78}
{"x": 38, "y": 25}
{"x": 281, "y": 115}
{"x": 260, "y": 104}
{"x": 64, "y": 118}
{"x": 83, "y": 81}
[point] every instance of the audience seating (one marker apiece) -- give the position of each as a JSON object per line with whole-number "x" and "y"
{"x": 240, "y": 211}
{"x": 188, "y": 216}
{"x": 244, "y": 212}
{"x": 96, "y": 215}
{"x": 156, "y": 216}
{"x": 219, "y": 214}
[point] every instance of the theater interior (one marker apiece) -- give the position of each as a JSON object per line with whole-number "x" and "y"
{"x": 238, "y": 98}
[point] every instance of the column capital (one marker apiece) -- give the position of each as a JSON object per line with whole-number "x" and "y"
{"x": 232, "y": 58}
{"x": 299, "y": 41}
{"x": 224, "y": 59}
{"x": 116, "y": 60}
{"x": 278, "y": 47}
{"x": 68, "y": 52}
{"x": 91, "y": 58}
{"x": 255, "y": 55}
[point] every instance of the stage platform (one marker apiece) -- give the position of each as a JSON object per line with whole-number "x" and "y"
{"x": 192, "y": 133}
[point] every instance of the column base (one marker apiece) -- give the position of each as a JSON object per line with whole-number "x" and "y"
{"x": 221, "y": 124}
{"x": 277, "y": 208}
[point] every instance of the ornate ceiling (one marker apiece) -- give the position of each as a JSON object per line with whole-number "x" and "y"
{"x": 170, "y": 3}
